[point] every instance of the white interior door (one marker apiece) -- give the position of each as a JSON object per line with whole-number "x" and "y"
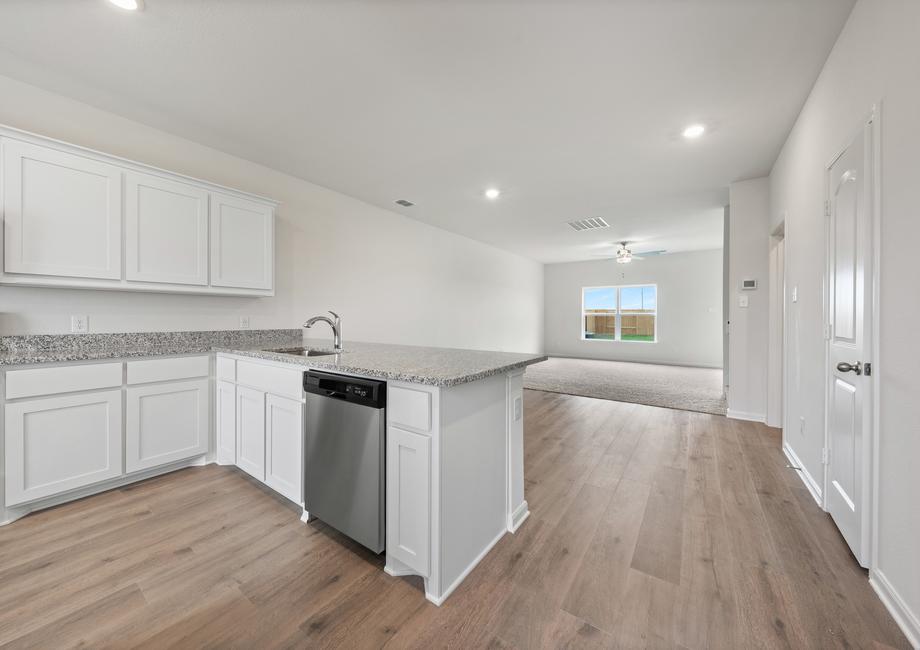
{"x": 850, "y": 312}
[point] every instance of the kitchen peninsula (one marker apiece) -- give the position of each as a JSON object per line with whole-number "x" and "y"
{"x": 138, "y": 405}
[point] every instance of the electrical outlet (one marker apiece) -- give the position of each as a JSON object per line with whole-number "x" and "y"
{"x": 79, "y": 324}
{"x": 802, "y": 424}
{"x": 244, "y": 322}
{"x": 518, "y": 409}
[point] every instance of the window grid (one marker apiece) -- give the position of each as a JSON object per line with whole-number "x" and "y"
{"x": 632, "y": 323}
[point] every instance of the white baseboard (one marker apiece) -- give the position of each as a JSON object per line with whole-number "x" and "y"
{"x": 12, "y": 513}
{"x": 907, "y": 620}
{"x": 813, "y": 486}
{"x": 679, "y": 364}
{"x": 437, "y": 600}
{"x": 517, "y": 517}
{"x": 744, "y": 415}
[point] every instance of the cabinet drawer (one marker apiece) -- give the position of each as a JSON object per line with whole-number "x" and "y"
{"x": 271, "y": 379}
{"x": 142, "y": 372}
{"x": 409, "y": 408}
{"x": 226, "y": 368}
{"x": 63, "y": 379}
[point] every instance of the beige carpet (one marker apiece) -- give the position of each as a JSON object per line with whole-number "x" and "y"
{"x": 676, "y": 387}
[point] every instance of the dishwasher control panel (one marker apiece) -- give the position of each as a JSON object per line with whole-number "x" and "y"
{"x": 366, "y": 392}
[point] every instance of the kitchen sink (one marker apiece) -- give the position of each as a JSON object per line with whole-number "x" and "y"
{"x": 303, "y": 352}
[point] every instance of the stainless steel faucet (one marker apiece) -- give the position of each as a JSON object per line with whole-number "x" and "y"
{"x": 336, "y": 326}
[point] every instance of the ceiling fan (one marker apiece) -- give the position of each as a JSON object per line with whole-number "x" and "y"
{"x": 624, "y": 255}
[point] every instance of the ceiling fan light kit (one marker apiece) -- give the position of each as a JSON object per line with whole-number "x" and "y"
{"x": 624, "y": 255}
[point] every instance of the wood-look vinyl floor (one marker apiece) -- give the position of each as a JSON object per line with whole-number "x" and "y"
{"x": 649, "y": 528}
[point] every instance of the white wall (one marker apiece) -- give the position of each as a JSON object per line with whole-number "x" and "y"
{"x": 749, "y": 260}
{"x": 391, "y": 278}
{"x": 689, "y": 308}
{"x": 876, "y": 58}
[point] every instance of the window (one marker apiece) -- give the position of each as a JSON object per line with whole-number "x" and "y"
{"x": 620, "y": 313}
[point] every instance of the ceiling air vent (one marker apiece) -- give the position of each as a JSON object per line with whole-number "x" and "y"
{"x": 404, "y": 203}
{"x": 589, "y": 224}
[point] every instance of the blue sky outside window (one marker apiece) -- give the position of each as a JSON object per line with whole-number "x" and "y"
{"x": 601, "y": 298}
{"x": 638, "y": 298}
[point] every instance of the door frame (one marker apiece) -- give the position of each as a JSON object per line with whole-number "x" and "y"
{"x": 870, "y": 125}
{"x": 776, "y": 363}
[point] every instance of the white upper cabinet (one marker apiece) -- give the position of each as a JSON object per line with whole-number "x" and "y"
{"x": 61, "y": 213}
{"x": 82, "y": 219}
{"x": 166, "y": 231}
{"x": 242, "y": 243}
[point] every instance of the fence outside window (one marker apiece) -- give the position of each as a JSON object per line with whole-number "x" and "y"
{"x": 620, "y": 313}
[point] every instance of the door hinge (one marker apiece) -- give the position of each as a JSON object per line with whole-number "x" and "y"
{"x": 867, "y": 369}
{"x": 827, "y": 332}
{"x": 825, "y": 456}
{"x": 827, "y": 208}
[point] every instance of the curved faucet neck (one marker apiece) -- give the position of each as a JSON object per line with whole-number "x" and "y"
{"x": 336, "y": 326}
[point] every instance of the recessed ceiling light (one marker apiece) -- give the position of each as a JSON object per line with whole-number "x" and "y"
{"x": 493, "y": 193}
{"x": 128, "y": 5}
{"x": 694, "y": 131}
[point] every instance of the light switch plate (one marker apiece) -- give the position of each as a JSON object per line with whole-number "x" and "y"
{"x": 79, "y": 324}
{"x": 742, "y": 301}
{"x": 795, "y": 294}
{"x": 518, "y": 407}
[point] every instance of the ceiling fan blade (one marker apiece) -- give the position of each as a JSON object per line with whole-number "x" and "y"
{"x": 649, "y": 253}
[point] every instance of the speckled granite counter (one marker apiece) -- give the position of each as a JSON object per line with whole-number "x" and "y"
{"x": 411, "y": 363}
{"x": 58, "y": 348}
{"x": 417, "y": 364}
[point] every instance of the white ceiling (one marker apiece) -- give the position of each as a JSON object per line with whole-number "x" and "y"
{"x": 572, "y": 108}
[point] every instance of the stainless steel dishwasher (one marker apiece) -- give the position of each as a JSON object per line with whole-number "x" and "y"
{"x": 345, "y": 455}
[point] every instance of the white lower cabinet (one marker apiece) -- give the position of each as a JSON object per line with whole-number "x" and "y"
{"x": 61, "y": 443}
{"x": 250, "y": 431}
{"x": 263, "y": 433}
{"x": 225, "y": 424}
{"x": 408, "y": 496}
{"x": 165, "y": 423}
{"x": 284, "y": 446}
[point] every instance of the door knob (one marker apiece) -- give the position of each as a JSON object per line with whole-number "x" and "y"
{"x": 843, "y": 366}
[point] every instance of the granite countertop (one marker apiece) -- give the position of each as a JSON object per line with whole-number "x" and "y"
{"x": 410, "y": 363}
{"x": 416, "y": 364}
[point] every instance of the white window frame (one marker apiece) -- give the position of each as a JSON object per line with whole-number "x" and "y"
{"x": 618, "y": 328}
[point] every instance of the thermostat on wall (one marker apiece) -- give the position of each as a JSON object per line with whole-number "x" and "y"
{"x": 748, "y": 285}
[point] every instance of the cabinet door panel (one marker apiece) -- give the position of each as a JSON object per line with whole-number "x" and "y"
{"x": 166, "y": 230}
{"x": 250, "y": 431}
{"x": 242, "y": 243}
{"x": 408, "y": 498}
{"x": 62, "y": 213}
{"x": 284, "y": 446}
{"x": 61, "y": 443}
{"x": 225, "y": 410}
{"x": 166, "y": 423}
